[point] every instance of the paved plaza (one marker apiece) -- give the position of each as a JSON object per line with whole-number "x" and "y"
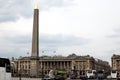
{"x": 41, "y": 79}
{"x": 26, "y": 79}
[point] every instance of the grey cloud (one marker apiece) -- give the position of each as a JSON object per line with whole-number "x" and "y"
{"x": 117, "y": 30}
{"x": 50, "y": 3}
{"x": 115, "y": 37}
{"x": 48, "y": 40}
{"x": 19, "y": 44}
{"x": 14, "y": 45}
{"x": 47, "y": 4}
{"x": 21, "y": 39}
{"x": 12, "y": 10}
{"x": 116, "y": 34}
{"x": 62, "y": 40}
{"x": 114, "y": 51}
{"x": 16, "y": 39}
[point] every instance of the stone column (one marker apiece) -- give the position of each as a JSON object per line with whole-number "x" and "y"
{"x": 64, "y": 64}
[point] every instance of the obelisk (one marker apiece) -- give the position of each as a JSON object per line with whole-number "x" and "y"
{"x": 35, "y": 44}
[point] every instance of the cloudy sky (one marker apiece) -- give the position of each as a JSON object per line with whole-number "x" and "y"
{"x": 65, "y": 26}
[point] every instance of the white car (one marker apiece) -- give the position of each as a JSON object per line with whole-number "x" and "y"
{"x": 109, "y": 77}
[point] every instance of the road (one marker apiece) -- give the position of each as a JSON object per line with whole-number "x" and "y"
{"x": 92, "y": 79}
{"x": 41, "y": 79}
{"x": 26, "y": 79}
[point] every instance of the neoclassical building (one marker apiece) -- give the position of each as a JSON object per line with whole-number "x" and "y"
{"x": 115, "y": 60}
{"x": 80, "y": 64}
{"x": 36, "y": 66}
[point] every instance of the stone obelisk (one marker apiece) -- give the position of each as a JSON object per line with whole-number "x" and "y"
{"x": 35, "y": 44}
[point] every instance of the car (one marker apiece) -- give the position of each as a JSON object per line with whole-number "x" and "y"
{"x": 118, "y": 78}
{"x": 109, "y": 77}
{"x": 59, "y": 77}
{"x": 72, "y": 76}
{"x": 46, "y": 77}
{"x": 83, "y": 77}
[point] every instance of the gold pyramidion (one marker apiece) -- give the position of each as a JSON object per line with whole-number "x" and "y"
{"x": 36, "y": 6}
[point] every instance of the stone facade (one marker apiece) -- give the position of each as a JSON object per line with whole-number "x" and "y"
{"x": 14, "y": 67}
{"x": 72, "y": 62}
{"x": 115, "y": 60}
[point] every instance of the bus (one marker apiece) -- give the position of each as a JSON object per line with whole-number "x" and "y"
{"x": 113, "y": 74}
{"x": 5, "y": 69}
{"x": 101, "y": 74}
{"x": 91, "y": 74}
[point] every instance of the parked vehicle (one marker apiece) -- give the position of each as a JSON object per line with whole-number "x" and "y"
{"x": 46, "y": 77}
{"x": 5, "y": 69}
{"x": 101, "y": 74}
{"x": 109, "y": 77}
{"x": 91, "y": 74}
{"x": 83, "y": 77}
{"x": 114, "y": 74}
{"x": 59, "y": 77}
{"x": 118, "y": 78}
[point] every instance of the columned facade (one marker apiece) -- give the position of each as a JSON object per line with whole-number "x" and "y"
{"x": 71, "y": 63}
{"x": 115, "y": 59}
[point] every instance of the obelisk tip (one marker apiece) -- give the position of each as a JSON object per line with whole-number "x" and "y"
{"x": 36, "y": 6}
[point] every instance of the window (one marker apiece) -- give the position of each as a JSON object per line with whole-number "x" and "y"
{"x": 8, "y": 68}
